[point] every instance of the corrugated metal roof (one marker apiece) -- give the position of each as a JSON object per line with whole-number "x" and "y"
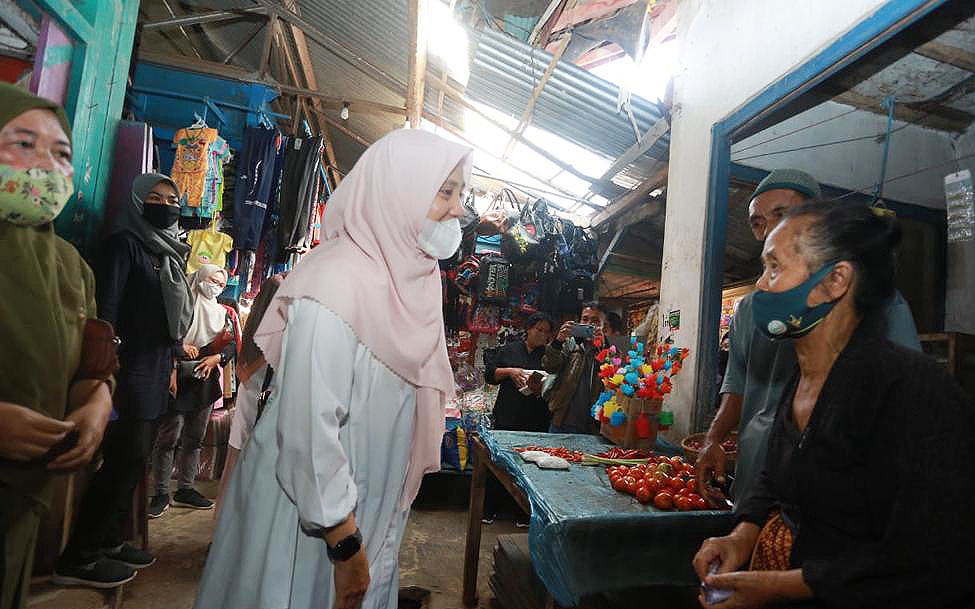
{"x": 575, "y": 104}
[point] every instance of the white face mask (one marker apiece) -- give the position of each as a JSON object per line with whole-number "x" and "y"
{"x": 210, "y": 290}
{"x": 440, "y": 240}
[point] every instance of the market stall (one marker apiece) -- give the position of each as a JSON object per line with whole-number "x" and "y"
{"x": 585, "y": 537}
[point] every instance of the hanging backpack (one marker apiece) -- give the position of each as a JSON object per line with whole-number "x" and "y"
{"x": 493, "y": 280}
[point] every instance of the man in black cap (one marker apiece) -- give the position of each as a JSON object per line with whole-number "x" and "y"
{"x": 758, "y": 368}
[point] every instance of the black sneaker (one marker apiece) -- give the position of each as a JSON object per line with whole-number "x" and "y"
{"x": 191, "y": 498}
{"x": 128, "y": 555}
{"x": 104, "y": 573}
{"x": 158, "y": 505}
{"x": 488, "y": 519}
{"x": 521, "y": 524}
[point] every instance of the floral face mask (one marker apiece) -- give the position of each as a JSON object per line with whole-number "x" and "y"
{"x": 31, "y": 197}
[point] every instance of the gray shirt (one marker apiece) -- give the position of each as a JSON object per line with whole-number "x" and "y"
{"x": 759, "y": 369}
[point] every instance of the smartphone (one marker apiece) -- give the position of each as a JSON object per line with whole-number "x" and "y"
{"x": 583, "y": 331}
{"x": 69, "y": 441}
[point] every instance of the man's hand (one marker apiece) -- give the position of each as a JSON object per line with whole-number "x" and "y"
{"x": 90, "y": 420}
{"x": 731, "y": 551}
{"x": 26, "y": 435}
{"x": 710, "y": 465}
{"x": 351, "y": 581}
{"x": 756, "y": 589}
{"x": 565, "y": 331}
{"x": 535, "y": 384}
{"x": 205, "y": 367}
{"x": 190, "y": 351}
{"x": 173, "y": 386}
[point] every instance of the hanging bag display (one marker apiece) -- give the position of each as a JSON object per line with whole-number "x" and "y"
{"x": 493, "y": 280}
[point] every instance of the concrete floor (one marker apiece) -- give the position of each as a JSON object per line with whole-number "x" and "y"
{"x": 431, "y": 555}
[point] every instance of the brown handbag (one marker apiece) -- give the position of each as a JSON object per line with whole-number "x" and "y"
{"x": 773, "y": 549}
{"x": 99, "y": 351}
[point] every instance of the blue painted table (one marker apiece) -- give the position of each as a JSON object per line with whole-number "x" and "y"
{"x": 585, "y": 538}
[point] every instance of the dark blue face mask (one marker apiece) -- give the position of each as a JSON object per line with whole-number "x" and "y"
{"x": 780, "y": 315}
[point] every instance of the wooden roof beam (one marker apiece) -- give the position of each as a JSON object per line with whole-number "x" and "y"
{"x": 536, "y": 93}
{"x": 651, "y": 137}
{"x": 635, "y": 197}
{"x": 954, "y": 56}
{"x": 415, "y": 88}
{"x": 463, "y": 101}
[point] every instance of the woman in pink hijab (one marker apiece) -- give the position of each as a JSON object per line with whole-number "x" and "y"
{"x": 317, "y": 506}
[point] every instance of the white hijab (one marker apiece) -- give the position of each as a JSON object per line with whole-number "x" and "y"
{"x": 209, "y": 317}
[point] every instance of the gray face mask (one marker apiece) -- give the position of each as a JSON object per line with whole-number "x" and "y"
{"x": 440, "y": 240}
{"x": 210, "y": 290}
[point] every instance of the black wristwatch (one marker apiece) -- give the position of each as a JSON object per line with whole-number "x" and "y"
{"x": 345, "y": 549}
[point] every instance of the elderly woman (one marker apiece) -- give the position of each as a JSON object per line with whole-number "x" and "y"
{"x": 142, "y": 291}
{"x": 208, "y": 344}
{"x": 52, "y": 415}
{"x": 318, "y": 503}
{"x": 872, "y": 453}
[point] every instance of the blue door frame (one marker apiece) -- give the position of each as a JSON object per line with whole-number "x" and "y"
{"x": 888, "y": 20}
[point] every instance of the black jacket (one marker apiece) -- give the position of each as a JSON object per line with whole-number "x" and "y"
{"x": 514, "y": 411}
{"x": 879, "y": 483}
{"x": 130, "y": 298}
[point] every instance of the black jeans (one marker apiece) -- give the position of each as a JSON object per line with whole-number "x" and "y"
{"x": 125, "y": 450}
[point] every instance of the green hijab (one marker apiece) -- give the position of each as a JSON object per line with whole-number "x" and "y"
{"x": 165, "y": 244}
{"x": 16, "y": 101}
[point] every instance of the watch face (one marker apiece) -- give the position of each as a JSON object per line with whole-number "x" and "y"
{"x": 345, "y": 549}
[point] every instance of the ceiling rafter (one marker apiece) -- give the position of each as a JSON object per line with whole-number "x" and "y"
{"x": 417, "y": 54}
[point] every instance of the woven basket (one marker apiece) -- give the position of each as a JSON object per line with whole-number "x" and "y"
{"x": 693, "y": 452}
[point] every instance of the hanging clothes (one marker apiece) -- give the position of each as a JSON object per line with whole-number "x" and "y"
{"x": 208, "y": 246}
{"x": 192, "y": 162}
{"x": 254, "y": 184}
{"x": 298, "y": 182}
{"x": 212, "y": 201}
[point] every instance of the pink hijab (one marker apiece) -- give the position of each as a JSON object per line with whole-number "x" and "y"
{"x": 370, "y": 272}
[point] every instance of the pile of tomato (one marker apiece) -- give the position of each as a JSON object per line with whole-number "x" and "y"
{"x": 572, "y": 456}
{"x": 666, "y": 482}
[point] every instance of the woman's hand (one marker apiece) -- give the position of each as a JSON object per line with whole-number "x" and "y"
{"x": 755, "y": 589}
{"x": 731, "y": 551}
{"x": 517, "y": 376}
{"x": 205, "y": 367}
{"x": 565, "y": 331}
{"x": 190, "y": 351}
{"x": 351, "y": 576}
{"x": 26, "y": 435}
{"x": 90, "y": 420}
{"x": 351, "y": 581}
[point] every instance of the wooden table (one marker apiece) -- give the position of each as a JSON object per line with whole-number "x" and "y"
{"x": 472, "y": 551}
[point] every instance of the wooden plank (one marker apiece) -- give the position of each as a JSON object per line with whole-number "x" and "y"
{"x": 460, "y": 99}
{"x": 445, "y": 125}
{"x": 651, "y": 137}
{"x": 475, "y": 511}
{"x": 271, "y": 28}
{"x": 636, "y": 196}
{"x": 536, "y": 93}
{"x": 954, "y": 56}
{"x": 417, "y": 61}
{"x": 902, "y": 112}
{"x": 343, "y": 129}
{"x": 609, "y": 250}
{"x": 70, "y": 18}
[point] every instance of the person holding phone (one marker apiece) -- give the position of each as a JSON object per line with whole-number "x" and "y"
{"x": 572, "y": 356}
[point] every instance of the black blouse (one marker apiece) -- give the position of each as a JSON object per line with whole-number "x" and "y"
{"x": 878, "y": 484}
{"x": 129, "y": 296}
{"x": 514, "y": 411}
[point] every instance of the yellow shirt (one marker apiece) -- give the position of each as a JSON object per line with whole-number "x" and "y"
{"x": 208, "y": 247}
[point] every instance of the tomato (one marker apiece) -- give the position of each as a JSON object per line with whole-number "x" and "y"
{"x": 675, "y": 484}
{"x": 654, "y": 487}
{"x": 618, "y": 484}
{"x": 643, "y": 495}
{"x": 623, "y": 470}
{"x": 630, "y": 483}
{"x": 692, "y": 484}
{"x": 700, "y": 503}
{"x": 684, "y": 503}
{"x": 690, "y": 470}
{"x": 664, "y": 501}
{"x": 675, "y": 461}
{"x": 682, "y": 492}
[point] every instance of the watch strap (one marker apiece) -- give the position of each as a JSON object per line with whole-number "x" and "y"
{"x": 345, "y": 549}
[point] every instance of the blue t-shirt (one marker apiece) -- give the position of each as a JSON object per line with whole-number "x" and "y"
{"x": 759, "y": 369}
